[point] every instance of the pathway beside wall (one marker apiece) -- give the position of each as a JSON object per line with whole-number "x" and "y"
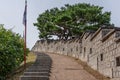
{"x": 99, "y": 49}
{"x": 65, "y": 68}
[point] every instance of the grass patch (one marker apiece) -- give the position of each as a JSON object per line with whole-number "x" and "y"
{"x": 19, "y": 71}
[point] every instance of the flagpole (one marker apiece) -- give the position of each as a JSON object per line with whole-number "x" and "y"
{"x": 25, "y": 34}
{"x": 25, "y": 45}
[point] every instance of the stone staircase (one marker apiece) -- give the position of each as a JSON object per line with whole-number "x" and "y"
{"x": 40, "y": 70}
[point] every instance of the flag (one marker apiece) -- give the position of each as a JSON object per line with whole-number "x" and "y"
{"x": 25, "y": 14}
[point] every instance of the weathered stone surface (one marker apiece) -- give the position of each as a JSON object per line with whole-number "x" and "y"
{"x": 99, "y": 49}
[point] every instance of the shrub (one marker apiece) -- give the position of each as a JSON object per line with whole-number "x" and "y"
{"x": 11, "y": 51}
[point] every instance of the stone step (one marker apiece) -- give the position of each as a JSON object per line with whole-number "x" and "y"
{"x": 39, "y": 70}
{"x": 36, "y": 70}
{"x": 43, "y": 56}
{"x": 39, "y": 67}
{"x": 34, "y": 78}
{"x": 36, "y": 73}
{"x": 40, "y": 63}
{"x": 43, "y": 60}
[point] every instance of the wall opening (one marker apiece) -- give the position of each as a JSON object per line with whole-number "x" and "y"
{"x": 63, "y": 49}
{"x": 90, "y": 50}
{"x": 84, "y": 51}
{"x": 77, "y": 48}
{"x": 71, "y": 49}
{"x": 101, "y": 57}
{"x": 118, "y": 61}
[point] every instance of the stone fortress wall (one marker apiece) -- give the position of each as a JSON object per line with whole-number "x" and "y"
{"x": 100, "y": 49}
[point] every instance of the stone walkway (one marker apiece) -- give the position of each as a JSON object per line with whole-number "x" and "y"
{"x": 65, "y": 68}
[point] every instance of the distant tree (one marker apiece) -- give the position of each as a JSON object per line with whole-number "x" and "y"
{"x": 71, "y": 20}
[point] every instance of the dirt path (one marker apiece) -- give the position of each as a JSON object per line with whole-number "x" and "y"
{"x": 65, "y": 68}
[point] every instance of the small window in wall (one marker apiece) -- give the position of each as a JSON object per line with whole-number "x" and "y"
{"x": 90, "y": 50}
{"x": 51, "y": 46}
{"x": 56, "y": 48}
{"x": 77, "y": 48}
{"x": 118, "y": 61}
{"x": 101, "y": 57}
{"x": 63, "y": 49}
{"x": 71, "y": 49}
{"x": 84, "y": 49}
{"x": 80, "y": 50}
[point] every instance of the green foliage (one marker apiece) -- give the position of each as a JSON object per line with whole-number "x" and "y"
{"x": 71, "y": 20}
{"x": 11, "y": 51}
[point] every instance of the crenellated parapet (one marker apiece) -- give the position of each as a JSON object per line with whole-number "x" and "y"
{"x": 99, "y": 49}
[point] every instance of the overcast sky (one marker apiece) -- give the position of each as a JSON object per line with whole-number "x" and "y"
{"x": 11, "y": 13}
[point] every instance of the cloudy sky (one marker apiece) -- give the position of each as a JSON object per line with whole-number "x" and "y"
{"x": 11, "y": 13}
